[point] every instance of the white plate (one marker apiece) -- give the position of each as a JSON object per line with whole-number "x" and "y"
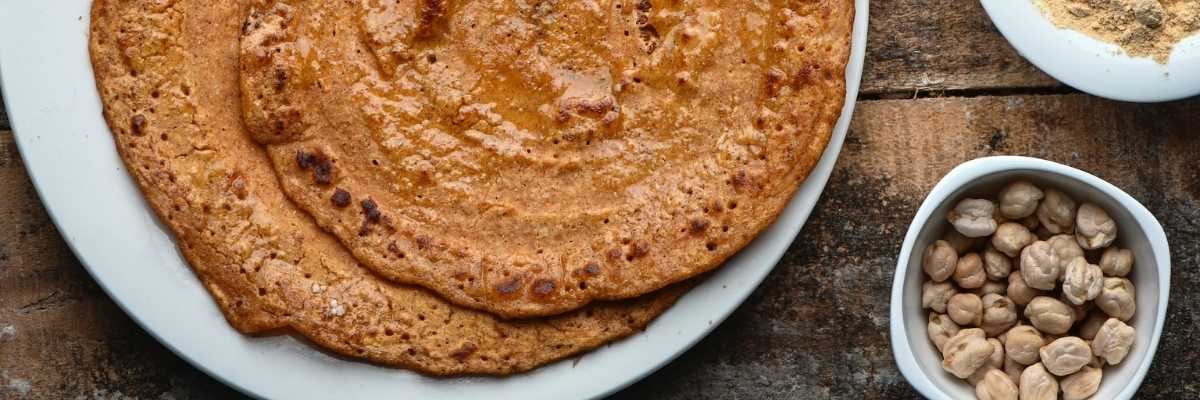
{"x": 55, "y": 112}
{"x": 1094, "y": 66}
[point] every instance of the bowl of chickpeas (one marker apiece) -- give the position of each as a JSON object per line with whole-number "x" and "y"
{"x": 1022, "y": 278}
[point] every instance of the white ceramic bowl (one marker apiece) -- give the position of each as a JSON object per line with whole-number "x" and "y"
{"x": 1138, "y": 230}
{"x": 1093, "y": 66}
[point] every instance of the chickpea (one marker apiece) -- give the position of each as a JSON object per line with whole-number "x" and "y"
{"x": 966, "y": 352}
{"x": 1097, "y": 361}
{"x": 1019, "y": 199}
{"x": 1022, "y": 344}
{"x": 1065, "y": 250}
{"x": 1013, "y": 369}
{"x": 1117, "y": 298}
{"x": 968, "y": 272}
{"x": 1019, "y": 291}
{"x": 1116, "y": 262}
{"x": 1057, "y": 212}
{"x": 965, "y": 309}
{"x": 1039, "y": 266}
{"x": 995, "y": 362}
{"x": 960, "y": 243}
{"x": 1082, "y": 281}
{"x": 1066, "y": 355}
{"x": 1113, "y": 341}
{"x": 999, "y": 314}
{"x": 997, "y": 265}
{"x": 1094, "y": 229}
{"x": 935, "y": 295}
{"x": 940, "y": 329}
{"x": 939, "y": 261}
{"x": 991, "y": 287}
{"x": 1078, "y": 311}
{"x": 1083, "y": 384}
{"x": 1049, "y": 315}
{"x": 995, "y": 385}
{"x": 1091, "y": 324}
{"x": 1011, "y": 237}
{"x": 973, "y": 217}
{"x": 1037, "y": 384}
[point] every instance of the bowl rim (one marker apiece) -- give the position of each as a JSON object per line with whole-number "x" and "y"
{"x": 966, "y": 173}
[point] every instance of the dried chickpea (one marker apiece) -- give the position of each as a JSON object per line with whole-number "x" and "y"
{"x": 1082, "y": 281}
{"x": 997, "y": 265}
{"x": 1091, "y": 324}
{"x": 1066, "y": 355}
{"x": 1065, "y": 249}
{"x": 1019, "y": 291}
{"x": 939, "y": 261}
{"x": 935, "y": 295}
{"x": 1113, "y": 341}
{"x": 1039, "y": 266}
{"x": 1011, "y": 237}
{"x": 1079, "y": 311}
{"x": 1019, "y": 199}
{"x": 960, "y": 243}
{"x": 1013, "y": 369}
{"x": 966, "y": 352}
{"x": 966, "y": 309}
{"x": 973, "y": 217}
{"x": 1057, "y": 212}
{"x": 1083, "y": 384}
{"x": 1049, "y": 315}
{"x": 968, "y": 272}
{"x": 1022, "y": 344}
{"x": 1037, "y": 384}
{"x": 1116, "y": 262}
{"x": 940, "y": 329}
{"x": 995, "y": 362}
{"x": 999, "y": 314}
{"x": 1117, "y": 298}
{"x": 1094, "y": 229}
{"x": 996, "y": 385}
{"x": 991, "y": 287}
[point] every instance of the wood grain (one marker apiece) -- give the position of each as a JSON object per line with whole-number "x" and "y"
{"x": 60, "y": 335}
{"x": 941, "y": 45}
{"x": 817, "y": 328}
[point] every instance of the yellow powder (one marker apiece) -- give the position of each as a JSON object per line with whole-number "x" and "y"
{"x": 1143, "y": 28}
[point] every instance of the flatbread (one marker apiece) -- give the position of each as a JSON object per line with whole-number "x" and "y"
{"x": 526, "y": 158}
{"x": 167, "y": 74}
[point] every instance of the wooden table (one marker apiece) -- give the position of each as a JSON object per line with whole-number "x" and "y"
{"x": 941, "y": 87}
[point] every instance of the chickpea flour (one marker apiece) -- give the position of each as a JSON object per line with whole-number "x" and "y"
{"x": 1143, "y": 28}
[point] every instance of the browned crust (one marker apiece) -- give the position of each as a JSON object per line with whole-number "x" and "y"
{"x": 806, "y": 94}
{"x": 166, "y": 72}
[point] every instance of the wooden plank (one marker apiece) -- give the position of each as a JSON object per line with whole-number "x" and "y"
{"x": 818, "y": 326}
{"x": 939, "y": 45}
{"x": 4, "y": 124}
{"x": 60, "y": 335}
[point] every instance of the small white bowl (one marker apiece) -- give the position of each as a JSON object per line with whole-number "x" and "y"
{"x": 1091, "y": 65}
{"x": 1138, "y": 231}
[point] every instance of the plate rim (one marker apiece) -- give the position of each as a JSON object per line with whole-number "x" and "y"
{"x": 29, "y": 118}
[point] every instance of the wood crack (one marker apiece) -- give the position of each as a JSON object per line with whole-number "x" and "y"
{"x": 926, "y": 93}
{"x": 55, "y": 299}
